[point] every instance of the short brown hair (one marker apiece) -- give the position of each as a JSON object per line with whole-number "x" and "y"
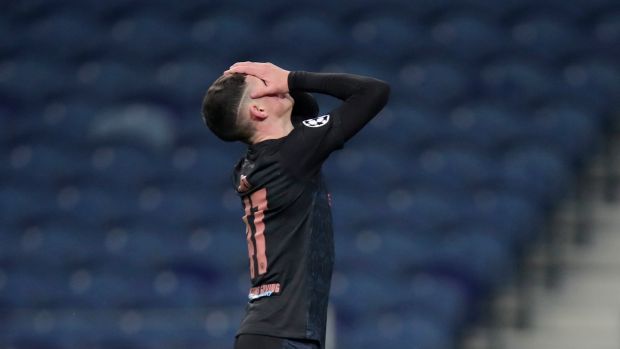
{"x": 220, "y": 106}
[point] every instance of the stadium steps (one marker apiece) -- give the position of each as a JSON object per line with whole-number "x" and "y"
{"x": 570, "y": 297}
{"x": 582, "y": 310}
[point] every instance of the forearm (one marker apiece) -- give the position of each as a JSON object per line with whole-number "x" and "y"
{"x": 363, "y": 97}
{"x": 341, "y": 86}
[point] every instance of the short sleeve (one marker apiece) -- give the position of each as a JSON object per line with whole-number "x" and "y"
{"x": 311, "y": 142}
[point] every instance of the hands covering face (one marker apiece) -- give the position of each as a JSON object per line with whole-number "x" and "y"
{"x": 274, "y": 77}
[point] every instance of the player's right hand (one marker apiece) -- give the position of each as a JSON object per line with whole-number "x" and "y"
{"x": 275, "y": 78}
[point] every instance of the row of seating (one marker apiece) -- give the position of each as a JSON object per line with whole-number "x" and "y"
{"x": 118, "y": 224}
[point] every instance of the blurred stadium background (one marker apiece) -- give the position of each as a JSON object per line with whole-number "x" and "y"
{"x": 492, "y": 171}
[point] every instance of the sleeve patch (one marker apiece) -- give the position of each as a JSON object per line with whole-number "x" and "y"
{"x": 316, "y": 122}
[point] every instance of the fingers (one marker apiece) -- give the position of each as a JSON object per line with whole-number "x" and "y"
{"x": 274, "y": 77}
{"x": 251, "y": 68}
{"x": 262, "y": 92}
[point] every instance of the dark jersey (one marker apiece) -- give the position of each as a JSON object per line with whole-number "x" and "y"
{"x": 287, "y": 209}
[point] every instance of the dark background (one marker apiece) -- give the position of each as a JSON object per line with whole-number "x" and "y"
{"x": 118, "y": 224}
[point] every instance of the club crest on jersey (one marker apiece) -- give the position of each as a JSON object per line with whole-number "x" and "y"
{"x": 316, "y": 122}
{"x": 244, "y": 185}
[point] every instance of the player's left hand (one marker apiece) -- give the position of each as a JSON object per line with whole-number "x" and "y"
{"x": 275, "y": 78}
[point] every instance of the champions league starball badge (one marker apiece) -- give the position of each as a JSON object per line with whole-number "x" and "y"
{"x": 316, "y": 122}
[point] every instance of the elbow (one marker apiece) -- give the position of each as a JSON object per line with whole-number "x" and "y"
{"x": 382, "y": 91}
{"x": 385, "y": 90}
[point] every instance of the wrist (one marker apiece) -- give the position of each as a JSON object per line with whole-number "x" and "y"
{"x": 292, "y": 79}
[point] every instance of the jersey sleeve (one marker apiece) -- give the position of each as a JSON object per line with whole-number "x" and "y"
{"x": 305, "y": 106}
{"x": 314, "y": 139}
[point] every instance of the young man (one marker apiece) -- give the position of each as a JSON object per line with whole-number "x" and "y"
{"x": 284, "y": 198}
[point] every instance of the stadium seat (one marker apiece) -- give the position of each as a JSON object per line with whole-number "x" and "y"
{"x": 468, "y": 37}
{"x": 114, "y": 80}
{"x": 566, "y": 129}
{"x": 66, "y": 36}
{"x": 435, "y": 168}
{"x": 226, "y": 37}
{"x": 386, "y": 39}
{"x": 511, "y": 218}
{"x": 434, "y": 83}
{"x": 593, "y": 83}
{"x": 117, "y": 212}
{"x": 479, "y": 261}
{"x": 309, "y": 36}
{"x": 486, "y": 126}
{"x": 607, "y": 31}
{"x": 142, "y": 37}
{"x": 135, "y": 164}
{"x": 186, "y": 82}
{"x": 517, "y": 82}
{"x": 535, "y": 172}
{"x": 31, "y": 80}
{"x": 391, "y": 330}
{"x": 546, "y": 38}
{"x": 20, "y": 205}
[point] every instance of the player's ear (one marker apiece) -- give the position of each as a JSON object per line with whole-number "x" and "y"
{"x": 257, "y": 112}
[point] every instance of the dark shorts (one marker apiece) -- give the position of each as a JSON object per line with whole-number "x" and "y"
{"x": 251, "y": 341}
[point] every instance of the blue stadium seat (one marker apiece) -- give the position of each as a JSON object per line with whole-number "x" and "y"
{"x": 21, "y": 205}
{"x": 566, "y": 129}
{"x": 186, "y": 82}
{"x": 143, "y": 37}
{"x": 115, "y": 80}
{"x": 10, "y": 44}
{"x": 226, "y": 37}
{"x": 579, "y": 10}
{"x": 428, "y": 211}
{"x": 228, "y": 249}
{"x": 368, "y": 288}
{"x": 135, "y": 164}
{"x": 433, "y": 82}
{"x": 365, "y": 249}
{"x": 358, "y": 65}
{"x": 442, "y": 299}
{"x": 307, "y": 36}
{"x": 607, "y": 31}
{"x": 499, "y": 9}
{"x": 479, "y": 261}
{"x": 207, "y": 168}
{"x": 28, "y": 10}
{"x": 421, "y": 127}
{"x": 593, "y": 83}
{"x": 386, "y": 38}
{"x": 46, "y": 164}
{"x": 372, "y": 169}
{"x": 100, "y": 9}
{"x": 436, "y": 168}
{"x": 33, "y": 289}
{"x": 517, "y": 82}
{"x": 6, "y": 133}
{"x": 146, "y": 126}
{"x": 536, "y": 173}
{"x": 511, "y": 218}
{"x": 546, "y": 38}
{"x": 116, "y": 207}
{"x": 175, "y": 206}
{"x": 31, "y": 80}
{"x": 67, "y": 35}
{"x": 487, "y": 126}
{"x": 468, "y": 37}
{"x": 61, "y": 123}
{"x": 395, "y": 331}
{"x": 98, "y": 205}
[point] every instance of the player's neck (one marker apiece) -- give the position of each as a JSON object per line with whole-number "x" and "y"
{"x": 278, "y": 128}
